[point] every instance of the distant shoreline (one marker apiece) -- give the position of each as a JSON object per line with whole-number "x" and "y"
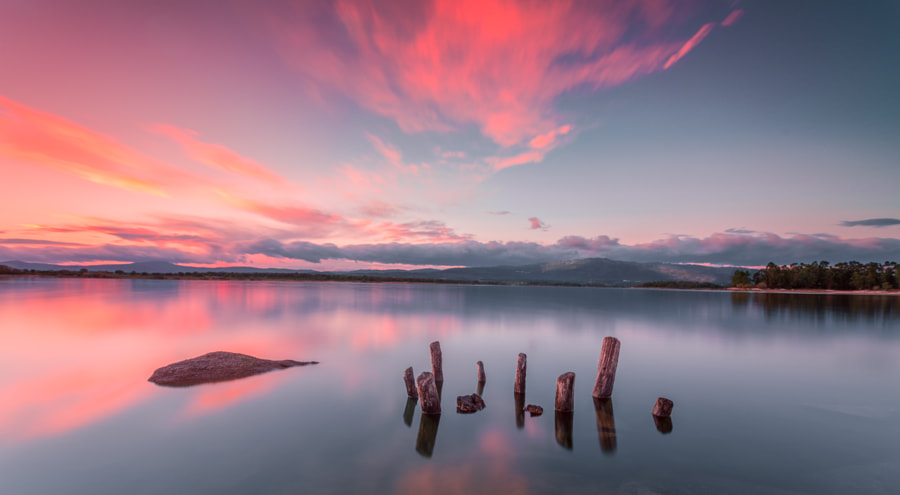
{"x": 817, "y": 291}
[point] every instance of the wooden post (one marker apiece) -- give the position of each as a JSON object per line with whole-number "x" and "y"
{"x": 663, "y": 407}
{"x": 409, "y": 411}
{"x": 520, "y": 374}
{"x": 663, "y": 424}
{"x": 564, "y": 422}
{"x": 480, "y": 389}
{"x": 410, "y": 380}
{"x": 606, "y": 424}
{"x": 437, "y": 367}
{"x": 479, "y": 366}
{"x": 428, "y": 394}
{"x": 606, "y": 368}
{"x": 519, "y": 399}
{"x": 428, "y": 428}
{"x": 565, "y": 398}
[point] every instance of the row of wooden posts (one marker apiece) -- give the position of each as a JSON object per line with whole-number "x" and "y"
{"x": 426, "y": 386}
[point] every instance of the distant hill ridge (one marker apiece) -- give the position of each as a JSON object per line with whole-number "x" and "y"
{"x": 600, "y": 271}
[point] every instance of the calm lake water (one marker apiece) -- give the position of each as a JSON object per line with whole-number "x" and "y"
{"x": 773, "y": 393}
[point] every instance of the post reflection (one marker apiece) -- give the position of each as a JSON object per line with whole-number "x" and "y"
{"x": 409, "y": 411}
{"x": 663, "y": 425}
{"x": 428, "y": 428}
{"x": 564, "y": 422}
{"x": 520, "y": 410}
{"x": 606, "y": 424}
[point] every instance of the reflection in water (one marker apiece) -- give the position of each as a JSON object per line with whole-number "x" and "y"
{"x": 564, "y": 422}
{"x": 606, "y": 424}
{"x": 663, "y": 425}
{"x": 409, "y": 411}
{"x": 520, "y": 410}
{"x": 868, "y": 307}
{"x": 428, "y": 428}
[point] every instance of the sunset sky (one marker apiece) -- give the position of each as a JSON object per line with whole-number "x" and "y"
{"x": 356, "y": 134}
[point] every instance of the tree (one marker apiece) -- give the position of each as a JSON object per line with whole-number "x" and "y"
{"x": 741, "y": 278}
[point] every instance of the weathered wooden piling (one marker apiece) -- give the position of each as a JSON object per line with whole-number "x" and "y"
{"x": 663, "y": 424}
{"x": 564, "y": 422}
{"x": 606, "y": 424}
{"x": 437, "y": 366}
{"x": 409, "y": 411}
{"x": 479, "y": 367}
{"x": 519, "y": 399}
{"x": 521, "y": 364}
{"x": 428, "y": 394}
{"x": 606, "y": 368}
{"x": 663, "y": 407}
{"x": 428, "y": 428}
{"x": 410, "y": 379}
{"x": 565, "y": 397}
{"x": 479, "y": 388}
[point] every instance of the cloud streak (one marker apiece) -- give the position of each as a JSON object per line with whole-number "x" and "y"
{"x": 32, "y": 137}
{"x": 871, "y": 222}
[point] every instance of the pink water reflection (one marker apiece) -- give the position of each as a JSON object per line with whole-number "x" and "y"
{"x": 76, "y": 351}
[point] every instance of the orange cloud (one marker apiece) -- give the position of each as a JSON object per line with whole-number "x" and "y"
{"x": 496, "y": 64}
{"x": 217, "y": 156}
{"x": 31, "y": 137}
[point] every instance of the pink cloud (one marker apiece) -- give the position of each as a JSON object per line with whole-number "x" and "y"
{"x": 689, "y": 45}
{"x": 547, "y": 139}
{"x": 732, "y": 17}
{"x": 522, "y": 158}
{"x": 537, "y": 224}
{"x": 496, "y": 64}
{"x": 32, "y": 137}
{"x": 216, "y": 155}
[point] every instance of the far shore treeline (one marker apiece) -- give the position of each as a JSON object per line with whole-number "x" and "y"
{"x": 850, "y": 275}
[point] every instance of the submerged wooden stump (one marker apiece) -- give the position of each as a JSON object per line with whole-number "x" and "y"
{"x": 606, "y": 368}
{"x": 479, "y": 369}
{"x": 663, "y": 407}
{"x": 467, "y": 404}
{"x": 663, "y": 424}
{"x": 521, "y": 364}
{"x": 428, "y": 428}
{"x": 217, "y": 366}
{"x": 564, "y": 422}
{"x": 534, "y": 410}
{"x": 437, "y": 364}
{"x": 428, "y": 394}
{"x": 565, "y": 397}
{"x": 409, "y": 411}
{"x": 519, "y": 399}
{"x": 410, "y": 380}
{"x": 606, "y": 424}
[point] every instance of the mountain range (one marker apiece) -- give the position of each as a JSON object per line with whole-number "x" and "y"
{"x": 599, "y": 271}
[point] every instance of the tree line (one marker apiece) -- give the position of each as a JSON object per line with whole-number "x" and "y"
{"x": 850, "y": 275}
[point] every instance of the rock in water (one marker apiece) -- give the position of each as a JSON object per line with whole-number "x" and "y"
{"x": 217, "y": 366}
{"x": 467, "y": 404}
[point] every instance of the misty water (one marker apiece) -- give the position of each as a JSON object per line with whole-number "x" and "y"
{"x": 773, "y": 393}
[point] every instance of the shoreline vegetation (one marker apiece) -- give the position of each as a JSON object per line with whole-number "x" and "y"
{"x": 816, "y": 278}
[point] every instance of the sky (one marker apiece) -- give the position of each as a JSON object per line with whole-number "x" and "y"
{"x": 344, "y": 135}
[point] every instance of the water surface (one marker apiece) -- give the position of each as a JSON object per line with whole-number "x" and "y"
{"x": 774, "y": 393}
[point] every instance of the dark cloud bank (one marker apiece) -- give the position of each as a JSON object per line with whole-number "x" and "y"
{"x": 871, "y": 222}
{"x": 722, "y": 249}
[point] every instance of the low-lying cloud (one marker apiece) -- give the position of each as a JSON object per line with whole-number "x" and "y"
{"x": 871, "y": 222}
